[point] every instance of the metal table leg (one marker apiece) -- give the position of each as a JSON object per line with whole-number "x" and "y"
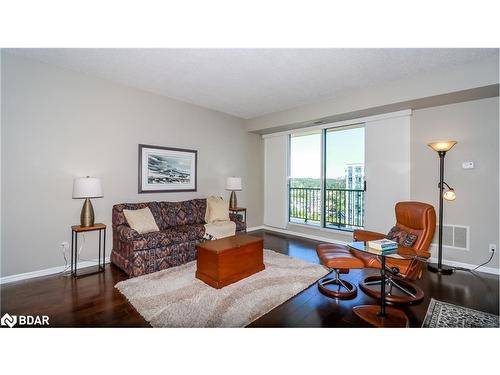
{"x": 382, "y": 291}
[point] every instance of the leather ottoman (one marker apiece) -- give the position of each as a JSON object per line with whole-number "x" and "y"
{"x": 227, "y": 260}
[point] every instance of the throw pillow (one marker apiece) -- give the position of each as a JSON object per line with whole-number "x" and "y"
{"x": 142, "y": 220}
{"x": 217, "y": 210}
{"x": 401, "y": 237}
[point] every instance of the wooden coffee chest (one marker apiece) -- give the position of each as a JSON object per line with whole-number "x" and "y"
{"x": 225, "y": 261}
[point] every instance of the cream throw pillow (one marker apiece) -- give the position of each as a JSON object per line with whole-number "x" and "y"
{"x": 217, "y": 210}
{"x": 142, "y": 220}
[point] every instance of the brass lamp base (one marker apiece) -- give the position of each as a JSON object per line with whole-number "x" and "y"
{"x": 233, "y": 203}
{"x": 87, "y": 214}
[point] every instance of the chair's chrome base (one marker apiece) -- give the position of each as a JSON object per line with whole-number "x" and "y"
{"x": 413, "y": 292}
{"x": 350, "y": 290}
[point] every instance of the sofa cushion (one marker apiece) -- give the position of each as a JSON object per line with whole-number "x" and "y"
{"x": 174, "y": 214}
{"x": 179, "y": 234}
{"x": 217, "y": 210}
{"x": 151, "y": 240}
{"x": 185, "y": 233}
{"x": 141, "y": 220}
{"x": 193, "y": 232}
{"x": 118, "y": 217}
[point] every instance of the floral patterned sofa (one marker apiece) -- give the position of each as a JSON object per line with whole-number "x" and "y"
{"x": 181, "y": 227}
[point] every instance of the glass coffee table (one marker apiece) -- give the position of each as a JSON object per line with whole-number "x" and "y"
{"x": 382, "y": 315}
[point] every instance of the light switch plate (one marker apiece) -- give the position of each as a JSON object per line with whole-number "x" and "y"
{"x": 468, "y": 165}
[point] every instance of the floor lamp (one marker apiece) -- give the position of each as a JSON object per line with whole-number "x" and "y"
{"x": 442, "y": 148}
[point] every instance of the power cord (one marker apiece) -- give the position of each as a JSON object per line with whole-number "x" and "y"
{"x": 80, "y": 251}
{"x": 485, "y": 263}
{"x": 475, "y": 268}
{"x": 66, "y": 267}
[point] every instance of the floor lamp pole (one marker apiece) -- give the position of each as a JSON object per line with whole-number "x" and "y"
{"x": 439, "y": 268}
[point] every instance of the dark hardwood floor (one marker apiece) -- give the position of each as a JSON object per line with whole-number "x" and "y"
{"x": 93, "y": 301}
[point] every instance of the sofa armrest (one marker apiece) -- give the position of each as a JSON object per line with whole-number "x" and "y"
{"x": 236, "y": 217}
{"x": 241, "y": 226}
{"x": 125, "y": 233}
{"x": 366, "y": 235}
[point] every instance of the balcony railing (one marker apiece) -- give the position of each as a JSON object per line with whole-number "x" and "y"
{"x": 344, "y": 208}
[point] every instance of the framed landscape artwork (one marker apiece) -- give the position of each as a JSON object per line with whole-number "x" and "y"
{"x": 166, "y": 169}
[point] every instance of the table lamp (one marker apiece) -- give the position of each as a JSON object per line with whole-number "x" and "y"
{"x": 442, "y": 147}
{"x": 233, "y": 184}
{"x": 86, "y": 188}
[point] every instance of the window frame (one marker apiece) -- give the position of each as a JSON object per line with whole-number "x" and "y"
{"x": 323, "y": 178}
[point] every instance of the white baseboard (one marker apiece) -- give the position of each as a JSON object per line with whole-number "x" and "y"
{"x": 494, "y": 271}
{"x": 484, "y": 269}
{"x": 251, "y": 229}
{"x": 46, "y": 272}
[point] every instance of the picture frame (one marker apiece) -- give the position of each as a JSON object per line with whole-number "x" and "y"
{"x": 167, "y": 169}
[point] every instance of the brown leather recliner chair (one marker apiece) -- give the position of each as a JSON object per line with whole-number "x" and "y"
{"x": 413, "y": 217}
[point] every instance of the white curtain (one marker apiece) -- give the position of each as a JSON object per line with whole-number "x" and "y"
{"x": 387, "y": 170}
{"x": 275, "y": 181}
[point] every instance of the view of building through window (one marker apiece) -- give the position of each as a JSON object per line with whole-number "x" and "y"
{"x": 340, "y": 185}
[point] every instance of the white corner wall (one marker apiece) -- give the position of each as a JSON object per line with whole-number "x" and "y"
{"x": 58, "y": 124}
{"x": 387, "y": 170}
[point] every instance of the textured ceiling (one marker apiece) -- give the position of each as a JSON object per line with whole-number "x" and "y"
{"x": 251, "y": 82}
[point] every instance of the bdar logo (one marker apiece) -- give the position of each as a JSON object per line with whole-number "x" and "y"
{"x": 8, "y": 320}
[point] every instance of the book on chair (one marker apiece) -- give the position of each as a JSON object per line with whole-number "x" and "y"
{"x": 383, "y": 245}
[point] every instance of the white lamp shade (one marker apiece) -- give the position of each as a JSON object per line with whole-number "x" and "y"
{"x": 233, "y": 183}
{"x": 87, "y": 187}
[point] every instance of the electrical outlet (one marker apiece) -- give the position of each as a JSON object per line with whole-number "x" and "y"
{"x": 492, "y": 247}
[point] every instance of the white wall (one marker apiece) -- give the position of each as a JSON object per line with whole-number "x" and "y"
{"x": 458, "y": 78}
{"x": 387, "y": 170}
{"x": 58, "y": 124}
{"x": 475, "y": 125}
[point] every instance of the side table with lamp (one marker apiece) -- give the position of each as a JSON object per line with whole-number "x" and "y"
{"x": 233, "y": 184}
{"x": 86, "y": 188}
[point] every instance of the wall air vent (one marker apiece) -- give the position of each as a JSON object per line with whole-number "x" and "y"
{"x": 454, "y": 236}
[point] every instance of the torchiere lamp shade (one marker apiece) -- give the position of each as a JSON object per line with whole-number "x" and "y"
{"x": 85, "y": 188}
{"x": 442, "y": 145}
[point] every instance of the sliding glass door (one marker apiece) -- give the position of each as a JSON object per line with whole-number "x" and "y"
{"x": 344, "y": 177}
{"x": 327, "y": 181}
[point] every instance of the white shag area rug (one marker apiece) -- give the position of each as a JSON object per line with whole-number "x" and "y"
{"x": 176, "y": 298}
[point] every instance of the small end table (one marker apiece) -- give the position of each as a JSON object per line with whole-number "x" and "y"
{"x": 75, "y": 229}
{"x": 382, "y": 316}
{"x": 236, "y": 210}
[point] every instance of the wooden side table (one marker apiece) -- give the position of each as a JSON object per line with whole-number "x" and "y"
{"x": 75, "y": 229}
{"x": 237, "y": 210}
